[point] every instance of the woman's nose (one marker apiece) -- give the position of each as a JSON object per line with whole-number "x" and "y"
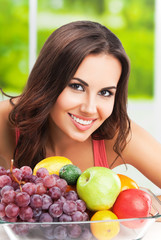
{"x": 89, "y": 106}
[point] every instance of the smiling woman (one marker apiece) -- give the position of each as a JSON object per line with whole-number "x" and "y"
{"x": 88, "y": 99}
{"x": 74, "y": 105}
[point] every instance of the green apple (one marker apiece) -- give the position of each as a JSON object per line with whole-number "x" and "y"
{"x": 98, "y": 187}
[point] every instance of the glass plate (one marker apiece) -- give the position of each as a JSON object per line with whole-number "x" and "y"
{"x": 82, "y": 230}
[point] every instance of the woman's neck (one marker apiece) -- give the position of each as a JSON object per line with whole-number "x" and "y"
{"x": 58, "y": 143}
{"x": 80, "y": 153}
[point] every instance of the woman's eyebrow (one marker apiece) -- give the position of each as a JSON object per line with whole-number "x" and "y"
{"x": 86, "y": 84}
{"x": 111, "y": 87}
{"x": 80, "y": 80}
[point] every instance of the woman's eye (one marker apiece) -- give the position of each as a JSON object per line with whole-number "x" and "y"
{"x": 105, "y": 93}
{"x": 76, "y": 86}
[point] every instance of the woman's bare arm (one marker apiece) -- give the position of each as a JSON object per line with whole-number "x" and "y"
{"x": 144, "y": 153}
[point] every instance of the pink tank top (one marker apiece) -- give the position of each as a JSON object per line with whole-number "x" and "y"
{"x": 99, "y": 151}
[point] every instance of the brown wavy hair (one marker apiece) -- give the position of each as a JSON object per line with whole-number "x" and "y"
{"x": 56, "y": 64}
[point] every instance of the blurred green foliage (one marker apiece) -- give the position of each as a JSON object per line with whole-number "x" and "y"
{"x": 131, "y": 20}
{"x": 13, "y": 44}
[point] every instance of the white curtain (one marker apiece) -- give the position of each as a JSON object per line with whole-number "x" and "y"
{"x": 157, "y": 70}
{"x": 32, "y": 32}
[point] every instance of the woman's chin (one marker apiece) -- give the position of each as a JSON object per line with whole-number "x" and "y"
{"x": 80, "y": 138}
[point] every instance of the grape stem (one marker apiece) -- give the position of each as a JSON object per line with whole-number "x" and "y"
{"x": 14, "y": 177}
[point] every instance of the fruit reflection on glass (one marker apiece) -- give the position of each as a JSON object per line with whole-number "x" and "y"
{"x": 104, "y": 230}
{"x": 133, "y": 203}
{"x": 98, "y": 187}
{"x": 127, "y": 182}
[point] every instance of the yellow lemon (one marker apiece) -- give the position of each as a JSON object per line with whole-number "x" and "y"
{"x": 52, "y": 164}
{"x": 104, "y": 230}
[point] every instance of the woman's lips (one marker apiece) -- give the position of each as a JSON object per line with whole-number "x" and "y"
{"x": 82, "y": 123}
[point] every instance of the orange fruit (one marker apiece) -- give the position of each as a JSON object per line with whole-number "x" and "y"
{"x": 104, "y": 230}
{"x": 70, "y": 188}
{"x": 127, "y": 182}
{"x": 52, "y": 164}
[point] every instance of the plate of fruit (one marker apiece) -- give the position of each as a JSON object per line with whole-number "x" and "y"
{"x": 57, "y": 201}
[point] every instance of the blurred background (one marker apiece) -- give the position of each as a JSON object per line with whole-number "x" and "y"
{"x": 131, "y": 20}
{"x": 26, "y": 24}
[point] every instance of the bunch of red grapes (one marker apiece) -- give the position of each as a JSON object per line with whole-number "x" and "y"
{"x": 25, "y": 197}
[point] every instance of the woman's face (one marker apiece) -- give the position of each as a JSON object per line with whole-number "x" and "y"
{"x": 88, "y": 99}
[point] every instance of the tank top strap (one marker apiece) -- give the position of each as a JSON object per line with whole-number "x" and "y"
{"x": 99, "y": 152}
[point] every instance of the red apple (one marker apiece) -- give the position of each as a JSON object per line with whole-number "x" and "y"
{"x": 133, "y": 203}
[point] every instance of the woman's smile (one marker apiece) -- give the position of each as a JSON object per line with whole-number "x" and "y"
{"x": 82, "y": 123}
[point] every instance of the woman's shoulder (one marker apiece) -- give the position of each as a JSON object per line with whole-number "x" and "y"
{"x": 6, "y": 126}
{"x": 7, "y": 133}
{"x": 139, "y": 135}
{"x": 140, "y": 145}
{"x": 5, "y": 108}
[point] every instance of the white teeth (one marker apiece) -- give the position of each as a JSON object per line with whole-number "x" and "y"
{"x": 81, "y": 121}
